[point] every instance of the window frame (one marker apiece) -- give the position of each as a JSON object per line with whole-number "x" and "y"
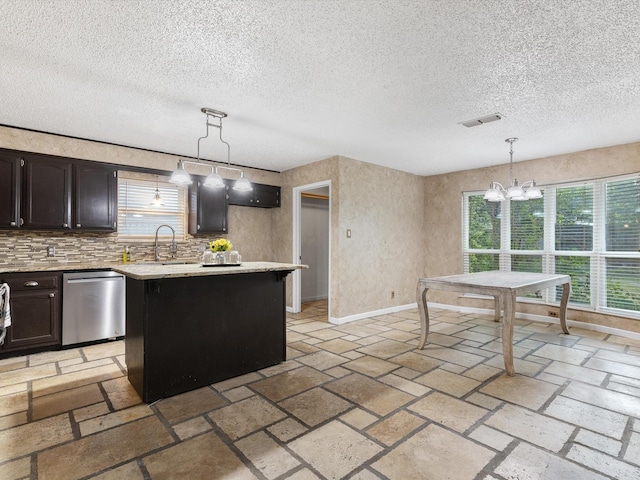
{"x": 598, "y": 254}
{"x": 162, "y": 182}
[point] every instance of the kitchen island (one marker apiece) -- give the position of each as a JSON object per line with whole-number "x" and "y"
{"x": 191, "y": 325}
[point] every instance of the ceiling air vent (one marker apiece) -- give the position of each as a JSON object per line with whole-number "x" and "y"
{"x": 482, "y": 120}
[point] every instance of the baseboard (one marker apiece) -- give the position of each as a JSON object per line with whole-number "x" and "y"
{"x": 374, "y": 313}
{"x": 313, "y": 299}
{"x": 541, "y": 318}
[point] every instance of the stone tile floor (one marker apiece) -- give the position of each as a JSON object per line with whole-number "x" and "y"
{"x": 353, "y": 401}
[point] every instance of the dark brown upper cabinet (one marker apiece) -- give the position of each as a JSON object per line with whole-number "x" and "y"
{"x": 95, "y": 197}
{"x": 46, "y": 193}
{"x": 207, "y": 209}
{"x": 9, "y": 190}
{"x": 41, "y": 192}
{"x": 265, "y": 196}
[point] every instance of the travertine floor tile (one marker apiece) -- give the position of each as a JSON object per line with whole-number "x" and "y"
{"x": 103, "y": 350}
{"x": 13, "y": 420}
{"x": 237, "y": 381}
{"x": 492, "y": 438}
{"x": 22, "y": 375}
{"x": 121, "y": 393}
{"x": 633, "y": 450}
{"x": 49, "y": 405}
{"x": 80, "y": 458}
{"x": 371, "y": 366}
{"x": 417, "y": 362}
{"x": 530, "y": 462}
{"x": 603, "y": 463}
{"x": 339, "y": 345}
{"x": 191, "y": 428}
{"x": 358, "y": 418}
{"x": 14, "y": 402}
{"x": 375, "y": 396}
{"x": 91, "y": 411}
{"x": 451, "y": 383}
{"x": 412, "y": 388}
{"x": 625, "y": 404}
{"x": 237, "y": 394}
{"x": 395, "y": 427}
{"x": 451, "y": 355}
{"x": 114, "y": 419}
{"x": 582, "y": 374}
{"x": 178, "y": 408}
{"x": 315, "y": 406}
{"x": 47, "y": 386}
{"x": 588, "y": 416}
{"x": 290, "y": 383}
{"x": 334, "y": 449}
{"x": 200, "y": 458}
{"x": 287, "y": 429}
{"x": 432, "y": 453}
{"x": 525, "y": 391}
{"x": 448, "y": 411}
{"x": 385, "y": 349}
{"x": 34, "y": 436}
{"x": 532, "y": 427}
{"x": 323, "y": 360}
{"x": 247, "y": 416}
{"x": 16, "y": 469}
{"x": 269, "y": 457}
{"x": 613, "y": 367}
{"x": 598, "y": 442}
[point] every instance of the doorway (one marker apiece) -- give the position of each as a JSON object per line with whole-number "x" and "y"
{"x": 312, "y": 243}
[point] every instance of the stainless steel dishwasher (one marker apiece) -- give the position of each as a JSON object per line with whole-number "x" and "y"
{"x": 93, "y": 306}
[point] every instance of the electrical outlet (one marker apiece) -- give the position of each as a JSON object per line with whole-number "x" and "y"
{"x": 393, "y": 294}
{"x": 51, "y": 251}
{"x": 551, "y": 313}
{"x": 348, "y": 233}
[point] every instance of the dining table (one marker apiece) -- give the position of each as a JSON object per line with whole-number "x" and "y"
{"x": 504, "y": 287}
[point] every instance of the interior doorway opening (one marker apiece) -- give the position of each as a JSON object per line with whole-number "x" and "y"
{"x": 312, "y": 244}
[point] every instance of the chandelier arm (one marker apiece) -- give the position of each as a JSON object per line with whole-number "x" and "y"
{"x": 202, "y": 138}
{"x": 227, "y": 144}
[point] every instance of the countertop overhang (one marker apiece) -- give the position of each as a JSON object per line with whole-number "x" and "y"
{"x": 155, "y": 271}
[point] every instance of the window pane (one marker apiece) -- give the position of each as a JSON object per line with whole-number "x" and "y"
{"x": 527, "y": 225}
{"x": 483, "y": 262}
{"x": 580, "y": 270}
{"x": 574, "y": 218}
{"x": 623, "y": 287}
{"x": 623, "y": 216}
{"x": 484, "y": 223}
{"x": 137, "y": 218}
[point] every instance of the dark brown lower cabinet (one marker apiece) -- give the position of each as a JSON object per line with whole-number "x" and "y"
{"x": 35, "y": 311}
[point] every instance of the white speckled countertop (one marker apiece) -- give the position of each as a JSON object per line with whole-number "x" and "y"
{"x": 157, "y": 271}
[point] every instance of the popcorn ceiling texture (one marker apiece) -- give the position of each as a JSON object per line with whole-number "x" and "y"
{"x": 383, "y": 81}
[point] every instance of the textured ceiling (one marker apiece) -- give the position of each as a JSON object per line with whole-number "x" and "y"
{"x": 385, "y": 82}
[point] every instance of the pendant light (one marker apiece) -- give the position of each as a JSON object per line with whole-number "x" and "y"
{"x": 516, "y": 192}
{"x": 213, "y": 180}
{"x": 156, "y": 201}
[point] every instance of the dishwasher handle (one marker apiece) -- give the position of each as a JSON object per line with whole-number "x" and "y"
{"x": 94, "y": 279}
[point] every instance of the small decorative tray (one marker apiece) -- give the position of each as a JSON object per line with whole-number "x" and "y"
{"x": 221, "y": 264}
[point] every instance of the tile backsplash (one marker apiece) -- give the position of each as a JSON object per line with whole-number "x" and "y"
{"x": 19, "y": 248}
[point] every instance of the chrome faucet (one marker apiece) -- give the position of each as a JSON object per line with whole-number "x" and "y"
{"x": 174, "y": 247}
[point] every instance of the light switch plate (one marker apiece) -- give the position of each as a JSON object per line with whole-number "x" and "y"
{"x": 348, "y": 233}
{"x": 51, "y": 251}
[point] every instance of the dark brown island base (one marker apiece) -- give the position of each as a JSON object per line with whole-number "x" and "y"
{"x": 189, "y": 326}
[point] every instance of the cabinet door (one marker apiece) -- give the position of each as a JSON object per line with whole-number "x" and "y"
{"x": 207, "y": 209}
{"x": 243, "y": 199}
{"x": 9, "y": 189}
{"x": 267, "y": 196}
{"x": 35, "y": 310}
{"x": 95, "y": 201}
{"x": 46, "y": 193}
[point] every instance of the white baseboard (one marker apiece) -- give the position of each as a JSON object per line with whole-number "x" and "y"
{"x": 374, "y": 313}
{"x": 542, "y": 318}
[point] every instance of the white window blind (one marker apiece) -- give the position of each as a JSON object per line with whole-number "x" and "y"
{"x": 138, "y": 219}
{"x": 590, "y": 231}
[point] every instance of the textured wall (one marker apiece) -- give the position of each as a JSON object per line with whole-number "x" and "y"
{"x": 250, "y": 229}
{"x": 443, "y": 213}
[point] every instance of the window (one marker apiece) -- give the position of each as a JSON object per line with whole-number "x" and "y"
{"x": 590, "y": 231}
{"x": 138, "y": 219}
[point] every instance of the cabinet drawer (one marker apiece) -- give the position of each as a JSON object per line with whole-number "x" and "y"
{"x": 20, "y": 282}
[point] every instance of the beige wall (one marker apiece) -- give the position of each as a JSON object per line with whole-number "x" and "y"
{"x": 384, "y": 209}
{"x": 250, "y": 229}
{"x": 443, "y": 212}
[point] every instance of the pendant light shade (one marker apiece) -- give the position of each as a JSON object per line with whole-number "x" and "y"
{"x": 214, "y": 180}
{"x": 242, "y": 184}
{"x": 156, "y": 201}
{"x": 516, "y": 192}
{"x": 180, "y": 176}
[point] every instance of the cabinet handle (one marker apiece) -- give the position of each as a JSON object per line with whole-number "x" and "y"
{"x": 51, "y": 295}
{"x": 30, "y": 283}
{"x": 65, "y": 225}
{"x": 13, "y": 224}
{"x": 78, "y": 225}
{"x": 21, "y": 221}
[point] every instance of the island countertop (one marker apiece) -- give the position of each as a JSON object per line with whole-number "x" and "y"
{"x": 155, "y": 271}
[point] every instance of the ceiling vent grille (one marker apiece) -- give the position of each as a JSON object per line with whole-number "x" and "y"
{"x": 482, "y": 120}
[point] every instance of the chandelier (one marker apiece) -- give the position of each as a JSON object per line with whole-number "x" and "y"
{"x": 527, "y": 191}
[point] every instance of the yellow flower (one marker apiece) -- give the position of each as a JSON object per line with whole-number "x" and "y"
{"x": 220, "y": 245}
